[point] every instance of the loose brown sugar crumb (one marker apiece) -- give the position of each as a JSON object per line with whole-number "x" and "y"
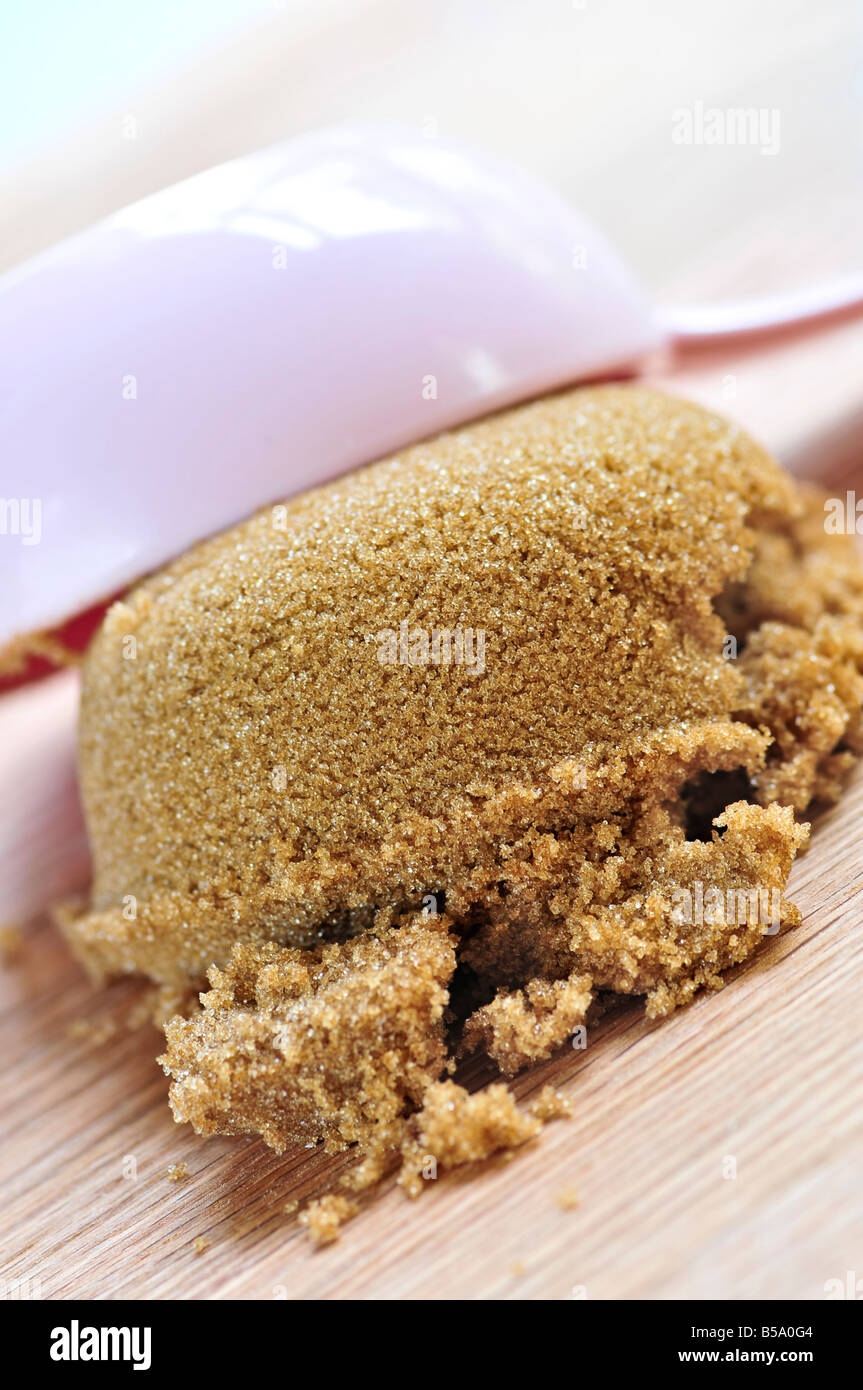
{"x": 95, "y": 1031}
{"x": 157, "y": 1005}
{"x": 550, "y": 1104}
{"x": 201, "y": 1245}
{"x": 380, "y": 1153}
{"x": 16, "y": 655}
{"x": 325, "y": 1216}
{"x": 178, "y": 1172}
{"x": 457, "y": 1127}
{"x": 382, "y": 859}
{"x": 523, "y": 1027}
{"x": 11, "y": 943}
{"x": 567, "y": 1200}
{"x": 454, "y": 1127}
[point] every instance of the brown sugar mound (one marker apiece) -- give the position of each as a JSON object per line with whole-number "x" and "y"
{"x": 254, "y": 766}
{"x": 570, "y": 675}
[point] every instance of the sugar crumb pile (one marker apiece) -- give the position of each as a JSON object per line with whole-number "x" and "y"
{"x": 433, "y": 759}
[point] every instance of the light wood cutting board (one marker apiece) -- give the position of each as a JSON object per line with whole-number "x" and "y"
{"x": 765, "y": 1078}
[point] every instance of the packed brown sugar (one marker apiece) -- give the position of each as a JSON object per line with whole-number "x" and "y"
{"x": 422, "y": 762}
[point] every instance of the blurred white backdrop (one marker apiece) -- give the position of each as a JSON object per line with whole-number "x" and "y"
{"x": 101, "y": 103}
